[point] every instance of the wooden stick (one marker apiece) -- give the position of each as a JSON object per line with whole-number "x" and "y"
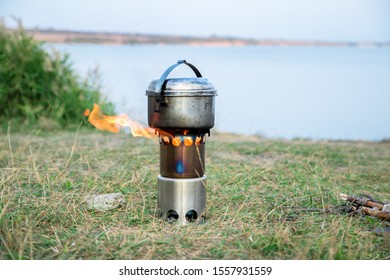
{"x": 361, "y": 201}
{"x": 376, "y": 213}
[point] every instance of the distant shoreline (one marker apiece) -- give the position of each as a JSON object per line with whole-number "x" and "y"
{"x": 113, "y": 38}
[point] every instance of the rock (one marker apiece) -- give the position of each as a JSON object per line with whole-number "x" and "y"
{"x": 104, "y": 202}
{"x": 382, "y": 231}
{"x": 386, "y": 207}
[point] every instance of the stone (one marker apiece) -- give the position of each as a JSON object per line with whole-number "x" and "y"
{"x": 104, "y": 202}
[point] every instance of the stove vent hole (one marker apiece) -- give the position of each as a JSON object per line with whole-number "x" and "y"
{"x": 191, "y": 216}
{"x": 172, "y": 215}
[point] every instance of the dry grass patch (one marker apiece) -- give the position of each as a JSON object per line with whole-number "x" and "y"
{"x": 253, "y": 183}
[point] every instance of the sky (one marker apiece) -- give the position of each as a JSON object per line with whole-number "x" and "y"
{"x": 337, "y": 20}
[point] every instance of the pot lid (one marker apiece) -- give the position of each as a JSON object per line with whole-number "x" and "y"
{"x": 180, "y": 86}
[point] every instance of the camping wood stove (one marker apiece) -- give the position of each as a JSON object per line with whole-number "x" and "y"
{"x": 181, "y": 110}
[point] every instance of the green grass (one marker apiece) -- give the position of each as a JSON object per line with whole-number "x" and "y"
{"x": 253, "y": 184}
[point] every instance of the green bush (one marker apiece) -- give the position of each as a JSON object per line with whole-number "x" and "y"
{"x": 38, "y": 88}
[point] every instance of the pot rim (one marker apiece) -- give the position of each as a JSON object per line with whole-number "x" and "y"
{"x": 181, "y": 93}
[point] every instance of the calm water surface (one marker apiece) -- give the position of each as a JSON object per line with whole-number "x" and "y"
{"x": 283, "y": 92}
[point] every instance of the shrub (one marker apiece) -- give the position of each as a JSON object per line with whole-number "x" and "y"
{"x": 41, "y": 88}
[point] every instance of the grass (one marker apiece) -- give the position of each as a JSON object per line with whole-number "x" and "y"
{"x": 253, "y": 183}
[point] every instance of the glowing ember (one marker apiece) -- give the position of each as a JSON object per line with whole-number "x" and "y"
{"x": 115, "y": 123}
{"x": 165, "y": 139}
{"x": 188, "y": 141}
{"x": 176, "y": 141}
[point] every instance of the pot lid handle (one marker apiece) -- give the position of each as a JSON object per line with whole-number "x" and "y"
{"x": 159, "y": 85}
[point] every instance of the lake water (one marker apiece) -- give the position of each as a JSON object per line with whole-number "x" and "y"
{"x": 279, "y": 92}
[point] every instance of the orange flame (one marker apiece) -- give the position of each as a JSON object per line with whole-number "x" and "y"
{"x": 115, "y": 123}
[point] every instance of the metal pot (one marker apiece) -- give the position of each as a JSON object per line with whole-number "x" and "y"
{"x": 181, "y": 103}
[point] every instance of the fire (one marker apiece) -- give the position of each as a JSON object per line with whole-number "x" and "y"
{"x": 115, "y": 123}
{"x": 176, "y": 141}
{"x": 188, "y": 141}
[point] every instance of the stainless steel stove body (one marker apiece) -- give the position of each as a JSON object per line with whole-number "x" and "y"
{"x": 181, "y": 110}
